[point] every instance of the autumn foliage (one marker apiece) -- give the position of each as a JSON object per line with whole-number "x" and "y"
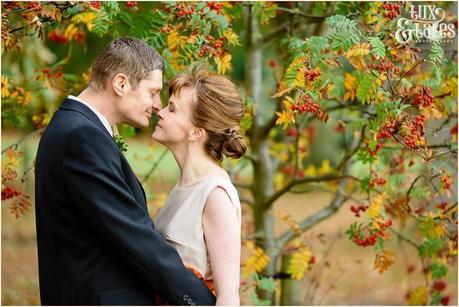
{"x": 393, "y": 105}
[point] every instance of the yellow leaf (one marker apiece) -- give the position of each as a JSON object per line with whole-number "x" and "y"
{"x": 350, "y": 86}
{"x": 384, "y": 259}
{"x": 299, "y": 263}
{"x": 300, "y": 80}
{"x": 431, "y": 228}
{"x": 324, "y": 168}
{"x": 223, "y": 63}
{"x": 285, "y": 118}
{"x": 376, "y": 207}
{"x": 232, "y": 38}
{"x": 86, "y": 18}
{"x": 310, "y": 171}
{"x": 256, "y": 262}
{"x": 5, "y": 87}
{"x": 70, "y": 31}
{"x": 418, "y": 297}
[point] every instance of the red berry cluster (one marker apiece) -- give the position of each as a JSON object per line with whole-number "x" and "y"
{"x": 416, "y": 135}
{"x": 356, "y": 210}
{"x": 311, "y": 75}
{"x": 48, "y": 73}
{"x": 131, "y": 4}
{"x": 392, "y": 10}
{"x": 216, "y": 49}
{"x": 447, "y": 181}
{"x": 388, "y": 130}
{"x": 10, "y": 5}
{"x": 372, "y": 152}
{"x": 377, "y": 181}
{"x": 422, "y": 95}
{"x": 184, "y": 11}
{"x": 54, "y": 36}
{"x": 34, "y": 6}
{"x": 308, "y": 105}
{"x": 288, "y": 170}
{"x": 8, "y": 193}
{"x": 312, "y": 260}
{"x": 439, "y": 285}
{"x": 95, "y": 4}
{"x": 272, "y": 63}
{"x": 292, "y": 132}
{"x": 388, "y": 67}
{"x": 217, "y": 6}
{"x": 453, "y": 130}
{"x": 373, "y": 236}
{"x": 79, "y": 37}
{"x": 410, "y": 268}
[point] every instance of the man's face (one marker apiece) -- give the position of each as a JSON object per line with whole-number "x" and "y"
{"x": 139, "y": 104}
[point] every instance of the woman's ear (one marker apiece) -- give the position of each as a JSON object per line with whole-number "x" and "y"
{"x": 197, "y": 134}
{"x": 120, "y": 84}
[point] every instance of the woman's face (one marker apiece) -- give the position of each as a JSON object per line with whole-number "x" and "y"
{"x": 174, "y": 124}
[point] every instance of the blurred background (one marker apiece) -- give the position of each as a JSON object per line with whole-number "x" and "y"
{"x": 349, "y": 187}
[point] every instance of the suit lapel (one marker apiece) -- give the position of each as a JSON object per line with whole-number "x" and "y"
{"x": 137, "y": 189}
{"x": 73, "y": 105}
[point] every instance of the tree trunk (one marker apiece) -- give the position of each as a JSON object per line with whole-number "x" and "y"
{"x": 263, "y": 175}
{"x": 290, "y": 288}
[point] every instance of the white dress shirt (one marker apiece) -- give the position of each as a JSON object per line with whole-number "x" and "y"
{"x": 100, "y": 116}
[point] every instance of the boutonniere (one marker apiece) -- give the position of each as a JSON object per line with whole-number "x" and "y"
{"x": 119, "y": 140}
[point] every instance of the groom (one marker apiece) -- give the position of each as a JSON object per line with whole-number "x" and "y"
{"x": 96, "y": 242}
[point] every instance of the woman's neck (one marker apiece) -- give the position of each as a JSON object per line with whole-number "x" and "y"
{"x": 195, "y": 164}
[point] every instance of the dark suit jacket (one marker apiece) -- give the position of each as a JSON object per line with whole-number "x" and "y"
{"x": 96, "y": 241}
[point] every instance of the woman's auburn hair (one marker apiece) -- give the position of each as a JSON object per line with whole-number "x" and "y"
{"x": 216, "y": 107}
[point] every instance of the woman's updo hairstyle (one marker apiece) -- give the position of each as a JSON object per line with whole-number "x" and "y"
{"x": 217, "y": 108}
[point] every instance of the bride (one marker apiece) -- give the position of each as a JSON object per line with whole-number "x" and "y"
{"x": 202, "y": 216}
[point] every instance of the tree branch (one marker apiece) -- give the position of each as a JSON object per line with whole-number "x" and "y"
{"x": 300, "y": 13}
{"x": 38, "y": 131}
{"x": 312, "y": 220}
{"x": 155, "y": 165}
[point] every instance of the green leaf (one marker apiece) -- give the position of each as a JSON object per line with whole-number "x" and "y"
{"x": 438, "y": 269}
{"x": 396, "y": 180}
{"x": 430, "y": 247}
{"x": 257, "y": 301}
{"x": 377, "y": 47}
{"x": 366, "y": 88}
{"x": 436, "y": 54}
{"x": 436, "y": 298}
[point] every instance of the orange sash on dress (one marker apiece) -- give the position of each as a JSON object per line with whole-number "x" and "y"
{"x": 209, "y": 282}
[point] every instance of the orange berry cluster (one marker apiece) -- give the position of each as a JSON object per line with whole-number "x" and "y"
{"x": 311, "y": 75}
{"x": 392, "y": 10}
{"x": 184, "y": 11}
{"x": 357, "y": 209}
{"x": 422, "y": 95}
{"x": 371, "y": 238}
{"x": 388, "y": 67}
{"x": 308, "y": 105}
{"x": 48, "y": 73}
{"x": 131, "y": 4}
{"x": 8, "y": 193}
{"x": 34, "y": 6}
{"x": 447, "y": 181}
{"x": 54, "y": 36}
{"x": 217, "y": 47}
{"x": 377, "y": 181}
{"x": 388, "y": 130}
{"x": 216, "y": 6}
{"x": 416, "y": 131}
{"x": 95, "y": 4}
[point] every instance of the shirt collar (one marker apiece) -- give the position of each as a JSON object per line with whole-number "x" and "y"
{"x": 100, "y": 116}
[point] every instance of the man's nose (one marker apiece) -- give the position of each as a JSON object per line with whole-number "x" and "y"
{"x": 156, "y": 105}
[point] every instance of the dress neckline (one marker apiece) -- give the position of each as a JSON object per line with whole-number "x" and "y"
{"x": 199, "y": 181}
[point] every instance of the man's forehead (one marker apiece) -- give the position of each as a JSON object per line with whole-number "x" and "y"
{"x": 156, "y": 78}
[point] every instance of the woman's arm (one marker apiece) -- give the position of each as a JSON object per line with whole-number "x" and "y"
{"x": 223, "y": 238}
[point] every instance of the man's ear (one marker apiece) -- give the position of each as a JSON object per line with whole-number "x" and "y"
{"x": 197, "y": 134}
{"x": 120, "y": 84}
